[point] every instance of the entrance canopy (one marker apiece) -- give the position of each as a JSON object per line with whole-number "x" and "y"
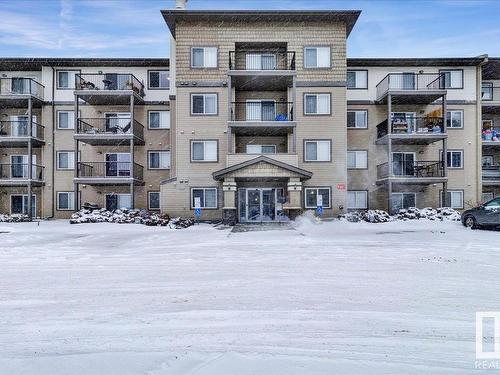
{"x": 262, "y": 168}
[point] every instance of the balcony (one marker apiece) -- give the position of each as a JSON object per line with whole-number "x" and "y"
{"x": 411, "y": 88}
{"x": 490, "y": 99}
{"x": 233, "y": 159}
{"x": 491, "y": 175}
{"x": 412, "y": 130}
{"x": 490, "y": 136}
{"x": 411, "y": 172}
{"x": 18, "y": 174}
{"x": 16, "y": 90}
{"x": 15, "y": 134}
{"x": 108, "y": 88}
{"x": 110, "y": 131}
{"x": 261, "y": 61}
{"x": 262, "y": 117}
{"x": 109, "y": 173}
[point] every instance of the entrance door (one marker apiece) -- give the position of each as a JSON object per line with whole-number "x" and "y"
{"x": 268, "y": 205}
{"x": 19, "y": 204}
{"x": 257, "y": 204}
{"x": 118, "y": 122}
{"x": 253, "y": 205}
{"x": 118, "y": 165}
{"x": 403, "y": 163}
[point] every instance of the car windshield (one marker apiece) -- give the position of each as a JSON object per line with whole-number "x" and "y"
{"x": 494, "y": 203}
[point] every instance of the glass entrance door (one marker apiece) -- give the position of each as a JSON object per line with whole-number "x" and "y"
{"x": 253, "y": 204}
{"x": 257, "y": 204}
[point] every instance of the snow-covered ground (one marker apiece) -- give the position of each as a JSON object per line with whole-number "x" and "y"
{"x": 336, "y": 298}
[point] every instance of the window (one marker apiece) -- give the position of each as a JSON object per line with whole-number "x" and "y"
{"x": 357, "y": 119}
{"x": 357, "y": 159}
{"x": 65, "y": 120}
{"x": 66, "y": 79}
{"x": 317, "y": 57}
{"x": 65, "y": 160}
{"x": 454, "y": 159}
{"x": 357, "y": 200}
{"x": 118, "y": 201}
{"x": 261, "y": 149}
{"x": 153, "y": 200}
{"x": 403, "y": 200}
{"x": 159, "y": 159}
{"x": 311, "y": 197}
{"x": 207, "y": 196}
{"x": 357, "y": 79}
{"x": 452, "y": 79}
{"x": 118, "y": 165}
{"x": 159, "y": 79}
{"x": 454, "y": 119}
{"x": 317, "y": 104}
{"x": 495, "y": 203}
{"x": 203, "y": 151}
{"x": 204, "y": 57}
{"x": 19, "y": 204}
{"x": 159, "y": 120}
{"x": 65, "y": 200}
{"x": 317, "y": 150}
{"x": 203, "y": 104}
{"x": 487, "y": 160}
{"x": 455, "y": 199}
{"x": 487, "y": 91}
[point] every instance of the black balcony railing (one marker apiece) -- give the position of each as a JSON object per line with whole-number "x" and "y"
{"x": 109, "y": 82}
{"x": 261, "y": 60}
{"x": 110, "y": 169}
{"x": 110, "y": 125}
{"x": 491, "y": 172}
{"x": 21, "y": 86}
{"x": 20, "y": 171}
{"x": 262, "y": 111}
{"x": 12, "y": 129}
{"x": 414, "y": 125}
{"x": 410, "y": 82}
{"x": 411, "y": 169}
{"x": 490, "y": 93}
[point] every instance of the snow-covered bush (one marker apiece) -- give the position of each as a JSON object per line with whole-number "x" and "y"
{"x": 126, "y": 216}
{"x": 14, "y": 218}
{"x": 412, "y": 213}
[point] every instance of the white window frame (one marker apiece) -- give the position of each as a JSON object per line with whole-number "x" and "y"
{"x": 365, "y": 83}
{"x": 360, "y": 155}
{"x": 149, "y": 201}
{"x": 452, "y": 192}
{"x": 260, "y": 152}
{"x": 159, "y": 152}
{"x": 450, "y": 158}
{"x": 205, "y": 113}
{"x": 451, "y": 71}
{"x": 71, "y": 116}
{"x": 318, "y": 65}
{"x": 451, "y": 112}
{"x": 365, "y": 122}
{"x": 160, "y": 112}
{"x": 159, "y": 79}
{"x": 318, "y": 141}
{"x": 71, "y": 201}
{"x": 204, "y": 197}
{"x": 317, "y": 189}
{"x": 205, "y": 160}
{"x": 357, "y": 193}
{"x": 71, "y": 166}
{"x": 71, "y": 82}
{"x": 119, "y": 195}
{"x": 488, "y": 85}
{"x": 204, "y": 65}
{"x": 33, "y": 211}
{"x": 317, "y": 95}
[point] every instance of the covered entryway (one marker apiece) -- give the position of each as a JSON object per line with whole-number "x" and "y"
{"x": 260, "y": 190}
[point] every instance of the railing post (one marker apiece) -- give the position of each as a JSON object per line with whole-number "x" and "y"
{"x": 132, "y": 158}
{"x": 76, "y": 157}
{"x": 30, "y": 155}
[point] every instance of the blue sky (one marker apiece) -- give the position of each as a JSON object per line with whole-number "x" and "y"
{"x": 135, "y": 28}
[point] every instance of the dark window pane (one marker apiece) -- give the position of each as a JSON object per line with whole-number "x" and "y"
{"x": 351, "y": 119}
{"x": 351, "y": 79}
{"x": 197, "y": 103}
{"x": 154, "y": 120}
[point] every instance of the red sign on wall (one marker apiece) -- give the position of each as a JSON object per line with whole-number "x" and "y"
{"x": 340, "y": 186}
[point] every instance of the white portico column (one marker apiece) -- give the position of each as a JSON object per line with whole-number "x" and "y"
{"x": 294, "y": 202}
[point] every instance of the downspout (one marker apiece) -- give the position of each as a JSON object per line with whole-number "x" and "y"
{"x": 479, "y": 143}
{"x": 53, "y": 142}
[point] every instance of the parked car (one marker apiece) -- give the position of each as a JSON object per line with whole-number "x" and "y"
{"x": 485, "y": 215}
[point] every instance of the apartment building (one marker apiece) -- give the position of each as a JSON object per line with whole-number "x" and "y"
{"x": 99, "y": 135}
{"x": 257, "y": 116}
{"x": 260, "y": 113}
{"x": 490, "y": 136}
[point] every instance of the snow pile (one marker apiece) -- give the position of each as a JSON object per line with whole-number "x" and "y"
{"x": 412, "y": 213}
{"x": 307, "y": 219}
{"x": 125, "y": 216}
{"x": 15, "y": 218}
